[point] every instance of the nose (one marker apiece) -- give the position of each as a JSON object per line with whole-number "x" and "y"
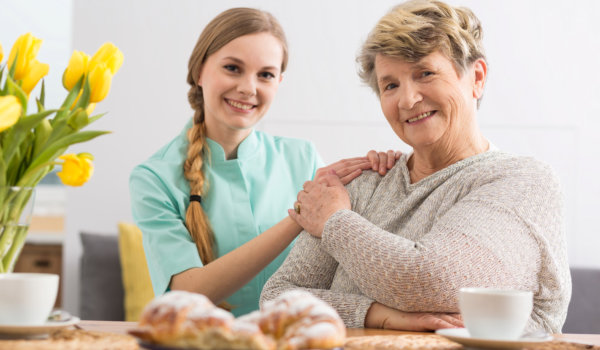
{"x": 247, "y": 85}
{"x": 410, "y": 95}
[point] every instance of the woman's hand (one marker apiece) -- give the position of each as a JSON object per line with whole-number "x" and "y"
{"x": 349, "y": 169}
{"x": 318, "y": 201}
{"x": 383, "y": 161}
{"x": 381, "y": 316}
{"x": 346, "y": 169}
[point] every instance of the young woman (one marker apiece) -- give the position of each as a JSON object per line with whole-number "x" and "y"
{"x": 212, "y": 203}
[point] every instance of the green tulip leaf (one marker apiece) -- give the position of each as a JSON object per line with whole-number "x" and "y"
{"x": 42, "y": 132}
{"x": 69, "y": 100}
{"x": 17, "y": 133}
{"x": 95, "y": 117}
{"x": 2, "y": 171}
{"x": 84, "y": 100}
{"x": 43, "y": 94}
{"x": 49, "y": 153}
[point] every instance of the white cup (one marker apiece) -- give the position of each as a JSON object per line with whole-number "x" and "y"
{"x": 26, "y": 299}
{"x": 500, "y": 314}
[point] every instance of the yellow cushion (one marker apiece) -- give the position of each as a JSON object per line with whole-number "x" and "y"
{"x": 136, "y": 278}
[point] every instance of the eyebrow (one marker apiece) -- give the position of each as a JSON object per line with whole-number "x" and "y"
{"x": 238, "y": 61}
{"x": 424, "y": 65}
{"x": 384, "y": 78}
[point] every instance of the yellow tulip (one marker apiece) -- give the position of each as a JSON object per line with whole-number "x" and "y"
{"x": 90, "y": 108}
{"x": 37, "y": 71}
{"x": 76, "y": 169}
{"x": 110, "y": 55}
{"x": 78, "y": 65}
{"x": 1, "y": 53}
{"x": 10, "y": 111}
{"x": 27, "y": 46}
{"x": 99, "y": 78}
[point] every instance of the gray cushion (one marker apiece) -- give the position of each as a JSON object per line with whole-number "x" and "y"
{"x": 584, "y": 310}
{"x": 101, "y": 287}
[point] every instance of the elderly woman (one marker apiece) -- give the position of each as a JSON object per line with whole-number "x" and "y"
{"x": 393, "y": 251}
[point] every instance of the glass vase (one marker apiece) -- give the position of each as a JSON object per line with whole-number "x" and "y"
{"x": 15, "y": 215}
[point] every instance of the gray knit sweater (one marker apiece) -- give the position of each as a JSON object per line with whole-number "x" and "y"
{"x": 491, "y": 220}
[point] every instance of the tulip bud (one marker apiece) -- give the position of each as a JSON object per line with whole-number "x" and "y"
{"x": 110, "y": 55}
{"x": 27, "y": 47}
{"x": 78, "y": 65}
{"x": 10, "y": 111}
{"x": 78, "y": 119}
{"x": 37, "y": 71}
{"x": 99, "y": 78}
{"x": 76, "y": 169}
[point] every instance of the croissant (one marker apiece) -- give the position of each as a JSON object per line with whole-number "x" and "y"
{"x": 294, "y": 320}
{"x": 299, "y": 320}
{"x": 189, "y": 320}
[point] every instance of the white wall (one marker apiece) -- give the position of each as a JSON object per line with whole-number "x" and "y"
{"x": 541, "y": 97}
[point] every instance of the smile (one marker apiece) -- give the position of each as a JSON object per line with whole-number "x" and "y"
{"x": 420, "y": 116}
{"x": 239, "y": 105}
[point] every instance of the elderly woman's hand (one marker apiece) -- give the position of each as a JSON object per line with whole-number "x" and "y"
{"x": 318, "y": 201}
{"x": 381, "y": 316}
{"x": 383, "y": 161}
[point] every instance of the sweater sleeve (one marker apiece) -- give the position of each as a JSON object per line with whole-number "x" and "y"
{"x": 309, "y": 267}
{"x": 487, "y": 239}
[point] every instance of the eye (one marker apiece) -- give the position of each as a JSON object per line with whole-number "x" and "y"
{"x": 232, "y": 68}
{"x": 426, "y": 74}
{"x": 266, "y": 75}
{"x": 390, "y": 86}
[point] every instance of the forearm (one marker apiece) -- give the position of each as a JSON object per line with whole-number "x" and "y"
{"x": 419, "y": 276}
{"x": 225, "y": 275}
{"x": 309, "y": 267}
{"x": 381, "y": 316}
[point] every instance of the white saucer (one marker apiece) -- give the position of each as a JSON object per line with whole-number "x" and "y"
{"x": 461, "y": 335}
{"x": 28, "y": 331}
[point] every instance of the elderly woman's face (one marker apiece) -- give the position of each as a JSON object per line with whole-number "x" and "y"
{"x": 427, "y": 103}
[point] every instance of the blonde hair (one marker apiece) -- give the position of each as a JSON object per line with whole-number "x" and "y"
{"x": 417, "y": 28}
{"x": 227, "y": 26}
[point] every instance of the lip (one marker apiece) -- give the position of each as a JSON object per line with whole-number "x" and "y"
{"x": 229, "y": 102}
{"x": 433, "y": 112}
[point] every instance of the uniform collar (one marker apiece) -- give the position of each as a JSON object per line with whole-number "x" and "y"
{"x": 247, "y": 149}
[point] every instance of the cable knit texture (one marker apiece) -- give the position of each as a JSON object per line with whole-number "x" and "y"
{"x": 491, "y": 220}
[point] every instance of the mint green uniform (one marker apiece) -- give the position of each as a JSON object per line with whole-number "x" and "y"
{"x": 245, "y": 197}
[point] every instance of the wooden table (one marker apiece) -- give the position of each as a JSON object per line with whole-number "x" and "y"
{"x": 123, "y": 327}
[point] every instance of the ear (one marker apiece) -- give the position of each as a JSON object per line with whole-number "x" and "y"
{"x": 479, "y": 76}
{"x": 280, "y": 77}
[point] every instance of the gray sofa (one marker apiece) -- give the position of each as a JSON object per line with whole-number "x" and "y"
{"x": 101, "y": 286}
{"x": 584, "y": 310}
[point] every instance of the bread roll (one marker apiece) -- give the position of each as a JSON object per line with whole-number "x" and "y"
{"x": 190, "y": 320}
{"x": 295, "y": 320}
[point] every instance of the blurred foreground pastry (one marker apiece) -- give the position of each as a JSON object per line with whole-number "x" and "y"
{"x": 299, "y": 320}
{"x": 294, "y": 320}
{"x": 189, "y": 320}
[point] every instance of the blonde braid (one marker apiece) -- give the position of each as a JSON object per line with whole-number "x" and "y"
{"x": 196, "y": 220}
{"x": 227, "y": 26}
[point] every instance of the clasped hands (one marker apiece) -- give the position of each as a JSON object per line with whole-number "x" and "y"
{"x": 318, "y": 200}
{"x": 325, "y": 194}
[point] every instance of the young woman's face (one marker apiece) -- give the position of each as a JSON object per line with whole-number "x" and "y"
{"x": 239, "y": 82}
